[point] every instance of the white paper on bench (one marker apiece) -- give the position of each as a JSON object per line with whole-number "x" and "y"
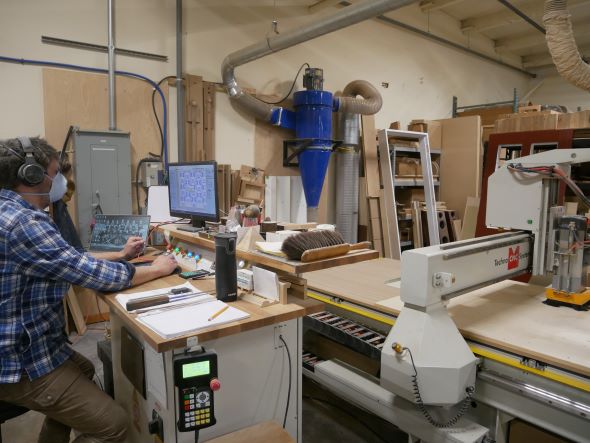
{"x": 189, "y": 319}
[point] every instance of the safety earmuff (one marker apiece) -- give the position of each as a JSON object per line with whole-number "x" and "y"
{"x": 30, "y": 172}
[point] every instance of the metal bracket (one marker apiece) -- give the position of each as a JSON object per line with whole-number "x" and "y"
{"x": 292, "y": 148}
{"x": 532, "y": 363}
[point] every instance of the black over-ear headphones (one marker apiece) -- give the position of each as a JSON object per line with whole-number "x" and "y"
{"x": 30, "y": 172}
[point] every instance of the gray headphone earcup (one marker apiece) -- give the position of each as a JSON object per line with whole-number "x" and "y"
{"x": 31, "y": 174}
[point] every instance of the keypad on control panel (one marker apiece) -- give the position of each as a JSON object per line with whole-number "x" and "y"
{"x": 197, "y": 407}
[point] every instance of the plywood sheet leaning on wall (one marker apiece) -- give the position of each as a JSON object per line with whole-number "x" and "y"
{"x": 268, "y": 149}
{"x": 80, "y": 99}
{"x": 461, "y": 162}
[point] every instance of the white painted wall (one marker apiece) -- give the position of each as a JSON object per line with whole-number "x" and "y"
{"x": 554, "y": 90}
{"x": 422, "y": 75}
{"x": 143, "y": 25}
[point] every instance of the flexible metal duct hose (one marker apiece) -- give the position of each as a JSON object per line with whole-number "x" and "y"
{"x": 562, "y": 45}
{"x": 347, "y": 193}
{"x": 369, "y": 104}
{"x": 347, "y": 157}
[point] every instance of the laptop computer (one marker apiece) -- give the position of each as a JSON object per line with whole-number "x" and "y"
{"x": 111, "y": 232}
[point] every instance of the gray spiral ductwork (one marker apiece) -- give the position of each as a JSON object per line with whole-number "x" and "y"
{"x": 562, "y": 45}
{"x": 343, "y": 18}
{"x": 348, "y": 156}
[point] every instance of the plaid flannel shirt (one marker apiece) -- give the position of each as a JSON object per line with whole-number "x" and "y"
{"x": 36, "y": 268}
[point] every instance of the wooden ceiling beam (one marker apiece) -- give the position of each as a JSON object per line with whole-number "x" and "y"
{"x": 435, "y": 5}
{"x": 537, "y": 39}
{"x": 544, "y": 59}
{"x": 321, "y": 5}
{"x": 506, "y": 17}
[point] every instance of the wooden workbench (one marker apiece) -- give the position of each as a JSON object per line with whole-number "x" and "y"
{"x": 259, "y": 317}
{"x": 269, "y": 261}
{"x": 507, "y": 315}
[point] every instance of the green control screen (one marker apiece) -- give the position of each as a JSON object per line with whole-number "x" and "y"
{"x": 196, "y": 369}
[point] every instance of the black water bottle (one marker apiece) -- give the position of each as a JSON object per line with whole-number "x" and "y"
{"x": 226, "y": 277}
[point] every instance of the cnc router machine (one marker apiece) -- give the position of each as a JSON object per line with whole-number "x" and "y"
{"x": 429, "y": 375}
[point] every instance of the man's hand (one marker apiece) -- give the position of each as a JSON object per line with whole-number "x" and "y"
{"x": 133, "y": 247}
{"x": 165, "y": 264}
{"x": 162, "y": 266}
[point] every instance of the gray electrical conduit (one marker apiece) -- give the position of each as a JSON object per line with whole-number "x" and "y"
{"x": 562, "y": 45}
{"x": 341, "y": 19}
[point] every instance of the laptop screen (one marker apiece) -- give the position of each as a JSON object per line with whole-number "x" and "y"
{"x": 111, "y": 232}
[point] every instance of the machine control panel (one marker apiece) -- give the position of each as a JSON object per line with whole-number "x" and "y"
{"x": 195, "y": 375}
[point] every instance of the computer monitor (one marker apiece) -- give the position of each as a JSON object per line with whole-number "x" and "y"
{"x": 192, "y": 189}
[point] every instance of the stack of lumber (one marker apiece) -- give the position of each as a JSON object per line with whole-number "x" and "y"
{"x": 541, "y": 120}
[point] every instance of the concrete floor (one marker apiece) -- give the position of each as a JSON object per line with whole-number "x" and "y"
{"x": 326, "y": 418}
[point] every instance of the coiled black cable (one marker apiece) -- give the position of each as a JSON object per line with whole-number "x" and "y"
{"x": 420, "y": 403}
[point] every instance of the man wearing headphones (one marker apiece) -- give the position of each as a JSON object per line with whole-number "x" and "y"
{"x": 38, "y": 369}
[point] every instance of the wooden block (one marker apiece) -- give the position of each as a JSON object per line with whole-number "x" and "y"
{"x": 283, "y": 292}
{"x": 209, "y": 120}
{"x": 470, "y": 218}
{"x": 574, "y": 120}
{"x": 257, "y": 300}
{"x": 298, "y": 286}
{"x": 370, "y": 157}
{"x": 296, "y": 226}
{"x": 457, "y": 228}
{"x": 74, "y": 307}
{"x": 486, "y": 130}
{"x": 536, "y": 121}
{"x": 194, "y": 145}
{"x": 388, "y": 242}
{"x": 531, "y": 108}
{"x": 235, "y": 187}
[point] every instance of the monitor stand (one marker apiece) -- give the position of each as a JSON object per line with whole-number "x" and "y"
{"x": 197, "y": 225}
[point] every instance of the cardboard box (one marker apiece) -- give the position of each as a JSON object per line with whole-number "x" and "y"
{"x": 412, "y": 167}
{"x": 432, "y": 127}
{"x": 408, "y": 167}
{"x": 522, "y": 432}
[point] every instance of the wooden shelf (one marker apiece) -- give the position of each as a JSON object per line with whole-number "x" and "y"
{"x": 275, "y": 263}
{"x": 399, "y": 182}
{"x": 412, "y": 150}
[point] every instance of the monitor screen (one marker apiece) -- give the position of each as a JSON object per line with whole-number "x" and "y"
{"x": 193, "y": 190}
{"x": 110, "y": 232}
